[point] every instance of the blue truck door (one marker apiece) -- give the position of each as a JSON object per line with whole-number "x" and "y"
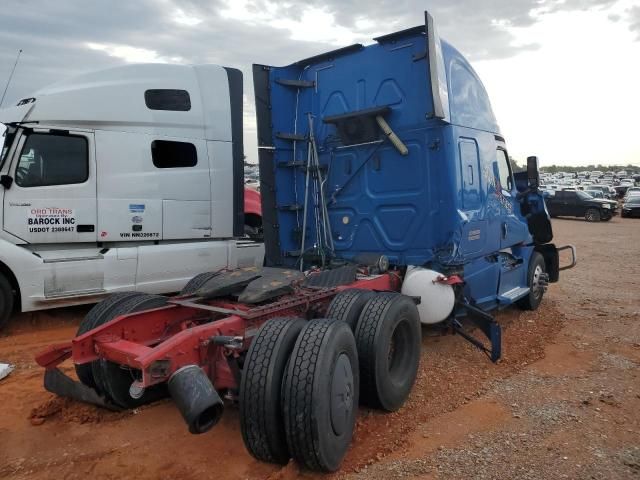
{"x": 469, "y": 166}
{"x": 474, "y": 234}
{"x": 513, "y": 230}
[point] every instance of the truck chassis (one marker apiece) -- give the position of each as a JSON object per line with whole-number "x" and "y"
{"x": 200, "y": 349}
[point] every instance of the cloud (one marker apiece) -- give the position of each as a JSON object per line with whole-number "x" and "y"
{"x": 64, "y": 38}
{"x": 67, "y": 37}
{"x": 479, "y": 29}
{"x": 132, "y": 54}
{"x": 633, "y": 15}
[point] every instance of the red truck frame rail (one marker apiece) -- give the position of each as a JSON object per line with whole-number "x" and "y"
{"x": 189, "y": 331}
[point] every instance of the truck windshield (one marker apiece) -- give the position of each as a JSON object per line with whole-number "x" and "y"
{"x": 8, "y": 133}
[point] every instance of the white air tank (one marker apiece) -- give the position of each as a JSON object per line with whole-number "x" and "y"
{"x": 436, "y": 299}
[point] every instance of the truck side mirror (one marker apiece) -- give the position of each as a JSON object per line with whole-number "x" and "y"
{"x": 6, "y": 181}
{"x": 533, "y": 176}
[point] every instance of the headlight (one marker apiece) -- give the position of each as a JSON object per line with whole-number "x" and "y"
{"x": 606, "y": 205}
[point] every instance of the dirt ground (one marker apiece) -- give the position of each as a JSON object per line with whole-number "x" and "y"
{"x": 564, "y": 402}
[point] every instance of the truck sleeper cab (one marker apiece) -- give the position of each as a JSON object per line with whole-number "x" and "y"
{"x": 413, "y": 167}
{"x": 125, "y": 179}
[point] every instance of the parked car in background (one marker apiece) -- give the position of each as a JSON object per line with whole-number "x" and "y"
{"x": 606, "y": 190}
{"x": 579, "y": 204}
{"x": 621, "y": 190}
{"x": 595, "y": 193}
{"x": 633, "y": 191}
{"x": 631, "y": 207}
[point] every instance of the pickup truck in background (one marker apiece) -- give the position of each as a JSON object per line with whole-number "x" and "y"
{"x": 575, "y": 203}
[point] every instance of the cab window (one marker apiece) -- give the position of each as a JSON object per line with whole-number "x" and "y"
{"x": 504, "y": 170}
{"x": 52, "y": 159}
{"x": 168, "y": 154}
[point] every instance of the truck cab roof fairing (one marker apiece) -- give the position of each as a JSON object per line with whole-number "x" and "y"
{"x": 114, "y": 99}
{"x": 468, "y": 100}
{"x": 15, "y": 114}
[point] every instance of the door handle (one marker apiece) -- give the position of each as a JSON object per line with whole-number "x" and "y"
{"x": 85, "y": 228}
{"x": 505, "y": 229}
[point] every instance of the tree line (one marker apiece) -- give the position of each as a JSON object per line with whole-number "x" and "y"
{"x": 590, "y": 168}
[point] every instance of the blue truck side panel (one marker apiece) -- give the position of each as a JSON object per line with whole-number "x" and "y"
{"x": 442, "y": 204}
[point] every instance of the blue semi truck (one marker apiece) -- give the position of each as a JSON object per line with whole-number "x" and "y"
{"x": 393, "y": 150}
{"x": 388, "y": 201}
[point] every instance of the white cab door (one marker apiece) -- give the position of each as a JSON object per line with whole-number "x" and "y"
{"x": 53, "y": 195}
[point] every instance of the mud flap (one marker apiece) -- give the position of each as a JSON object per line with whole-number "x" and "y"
{"x": 57, "y": 382}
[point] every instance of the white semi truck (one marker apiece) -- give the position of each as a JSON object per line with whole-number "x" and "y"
{"x": 125, "y": 179}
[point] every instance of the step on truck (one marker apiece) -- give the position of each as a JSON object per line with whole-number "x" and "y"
{"x": 120, "y": 180}
{"x": 388, "y": 203}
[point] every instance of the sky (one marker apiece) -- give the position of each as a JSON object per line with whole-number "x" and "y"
{"x": 563, "y": 75}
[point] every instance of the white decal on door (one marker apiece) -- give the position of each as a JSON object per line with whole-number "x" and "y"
{"x": 51, "y": 219}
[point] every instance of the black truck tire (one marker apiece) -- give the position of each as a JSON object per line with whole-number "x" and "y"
{"x": 320, "y": 394}
{"x": 592, "y": 215}
{"x": 196, "y": 282}
{"x": 7, "y": 301}
{"x": 261, "y": 421}
{"x": 347, "y": 305}
{"x": 99, "y": 314}
{"x": 537, "y": 267}
{"x": 114, "y": 380}
{"x": 389, "y": 338}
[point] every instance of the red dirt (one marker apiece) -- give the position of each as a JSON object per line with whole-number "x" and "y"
{"x": 575, "y": 359}
{"x": 66, "y": 410}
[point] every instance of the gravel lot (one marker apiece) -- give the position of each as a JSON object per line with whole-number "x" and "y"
{"x": 562, "y": 403}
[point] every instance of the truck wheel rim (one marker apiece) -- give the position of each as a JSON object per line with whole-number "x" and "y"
{"x": 537, "y": 287}
{"x": 342, "y": 395}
